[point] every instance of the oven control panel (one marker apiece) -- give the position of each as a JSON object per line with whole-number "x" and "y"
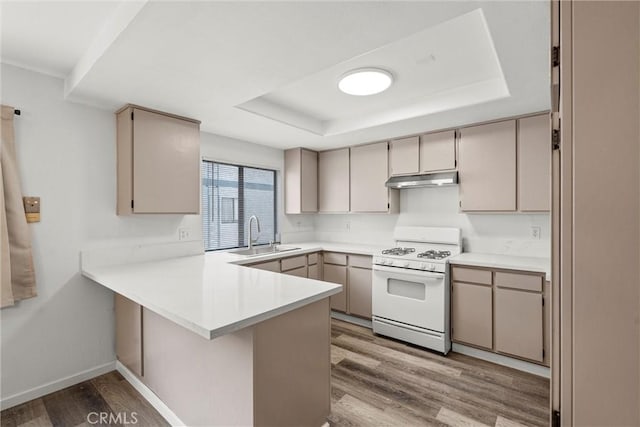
{"x": 410, "y": 264}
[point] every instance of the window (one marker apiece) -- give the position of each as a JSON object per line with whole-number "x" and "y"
{"x": 230, "y": 195}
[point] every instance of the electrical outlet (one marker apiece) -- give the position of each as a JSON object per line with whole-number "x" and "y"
{"x": 184, "y": 233}
{"x": 535, "y": 232}
{"x": 348, "y": 226}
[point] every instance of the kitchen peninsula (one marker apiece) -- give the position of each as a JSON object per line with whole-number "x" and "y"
{"x": 222, "y": 344}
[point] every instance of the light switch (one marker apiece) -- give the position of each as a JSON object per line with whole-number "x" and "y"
{"x": 32, "y": 208}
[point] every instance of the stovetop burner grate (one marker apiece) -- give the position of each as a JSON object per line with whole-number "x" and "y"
{"x": 432, "y": 254}
{"x": 398, "y": 251}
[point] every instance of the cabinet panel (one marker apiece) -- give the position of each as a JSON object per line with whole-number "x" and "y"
{"x": 269, "y": 266}
{"x": 300, "y": 272}
{"x": 471, "y": 275}
{"x": 487, "y": 169}
{"x": 369, "y": 172}
{"x": 293, "y": 262}
{"x": 300, "y": 181}
{"x": 166, "y": 164}
{"x": 335, "y": 258}
{"x": 362, "y": 261}
{"x": 471, "y": 314}
{"x": 526, "y": 282}
{"x": 518, "y": 323}
{"x": 534, "y": 163}
{"x": 404, "y": 156}
{"x": 438, "y": 151}
{"x": 312, "y": 258}
{"x": 313, "y": 272}
{"x": 360, "y": 292}
{"x": 337, "y": 274}
{"x": 129, "y": 334}
{"x": 333, "y": 181}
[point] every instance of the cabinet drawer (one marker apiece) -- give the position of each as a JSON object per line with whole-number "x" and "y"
{"x": 526, "y": 282}
{"x": 294, "y": 262}
{"x": 300, "y": 272}
{"x": 269, "y": 266}
{"x": 362, "y": 261}
{"x": 314, "y": 272}
{"x": 472, "y": 275}
{"x": 312, "y": 259}
{"x": 335, "y": 258}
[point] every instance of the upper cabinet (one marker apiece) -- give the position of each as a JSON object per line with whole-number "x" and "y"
{"x": 369, "y": 173}
{"x": 438, "y": 151}
{"x": 333, "y": 179}
{"x": 403, "y": 156}
{"x": 534, "y": 163}
{"x": 300, "y": 181}
{"x": 158, "y": 162}
{"x": 487, "y": 170}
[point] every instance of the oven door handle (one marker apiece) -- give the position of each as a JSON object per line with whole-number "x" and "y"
{"x": 407, "y": 271}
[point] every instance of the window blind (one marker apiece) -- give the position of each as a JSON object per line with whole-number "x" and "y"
{"x": 231, "y": 194}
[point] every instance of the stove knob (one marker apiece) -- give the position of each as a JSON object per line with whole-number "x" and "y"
{"x": 423, "y": 266}
{"x": 432, "y": 267}
{"x": 406, "y": 264}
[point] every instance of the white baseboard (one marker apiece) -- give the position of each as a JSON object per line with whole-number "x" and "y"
{"x": 54, "y": 386}
{"x": 149, "y": 396}
{"x": 499, "y": 359}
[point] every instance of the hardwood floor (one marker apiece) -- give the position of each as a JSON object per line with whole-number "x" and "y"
{"x": 382, "y": 382}
{"x": 83, "y": 404}
{"x": 375, "y": 382}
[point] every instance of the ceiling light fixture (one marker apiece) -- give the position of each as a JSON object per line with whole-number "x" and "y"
{"x": 365, "y": 81}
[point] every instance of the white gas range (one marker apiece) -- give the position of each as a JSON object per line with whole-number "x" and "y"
{"x": 411, "y": 286}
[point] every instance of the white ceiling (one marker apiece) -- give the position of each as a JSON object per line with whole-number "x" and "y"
{"x": 204, "y": 59}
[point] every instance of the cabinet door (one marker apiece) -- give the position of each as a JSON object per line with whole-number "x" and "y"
{"x": 314, "y": 272}
{"x": 360, "y": 292}
{"x": 404, "y": 156}
{"x": 487, "y": 169}
{"x": 166, "y": 164}
{"x": 438, "y": 151}
{"x": 337, "y": 274}
{"x": 299, "y": 272}
{"x": 333, "y": 181}
{"x": 369, "y": 172}
{"x": 518, "y": 323}
{"x": 471, "y": 314}
{"x": 534, "y": 163}
{"x": 129, "y": 334}
{"x": 300, "y": 181}
{"x": 268, "y": 266}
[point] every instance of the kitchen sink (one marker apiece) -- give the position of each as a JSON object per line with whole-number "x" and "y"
{"x": 262, "y": 250}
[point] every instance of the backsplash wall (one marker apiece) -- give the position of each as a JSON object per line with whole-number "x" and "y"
{"x": 491, "y": 233}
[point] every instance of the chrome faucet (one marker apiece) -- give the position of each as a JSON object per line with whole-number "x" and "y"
{"x": 250, "y": 240}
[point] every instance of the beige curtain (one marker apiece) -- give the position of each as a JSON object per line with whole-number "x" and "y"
{"x": 16, "y": 270}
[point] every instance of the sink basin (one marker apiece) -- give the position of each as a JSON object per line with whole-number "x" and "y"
{"x": 262, "y": 250}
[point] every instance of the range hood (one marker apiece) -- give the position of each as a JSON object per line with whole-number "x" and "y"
{"x": 426, "y": 180}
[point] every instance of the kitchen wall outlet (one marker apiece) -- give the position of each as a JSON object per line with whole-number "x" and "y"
{"x": 184, "y": 233}
{"x": 348, "y": 226}
{"x": 32, "y": 208}
{"x": 535, "y": 232}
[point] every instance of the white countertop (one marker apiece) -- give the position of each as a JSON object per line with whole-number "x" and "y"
{"x": 211, "y": 295}
{"x": 509, "y": 262}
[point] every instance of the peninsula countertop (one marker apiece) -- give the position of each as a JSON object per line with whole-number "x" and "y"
{"x": 213, "y": 294}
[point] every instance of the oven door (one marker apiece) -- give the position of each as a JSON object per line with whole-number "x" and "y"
{"x": 409, "y": 296}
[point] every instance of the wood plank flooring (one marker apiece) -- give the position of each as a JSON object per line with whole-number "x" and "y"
{"x": 375, "y": 382}
{"x": 382, "y": 382}
{"x": 83, "y": 404}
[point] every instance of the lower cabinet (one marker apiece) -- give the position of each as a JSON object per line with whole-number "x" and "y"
{"x": 268, "y": 266}
{"x": 471, "y": 314}
{"x": 501, "y": 311}
{"x": 313, "y": 272}
{"x": 519, "y": 325}
{"x": 359, "y": 280}
{"x": 337, "y": 274}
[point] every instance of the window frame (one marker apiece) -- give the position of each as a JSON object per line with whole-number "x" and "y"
{"x": 240, "y": 200}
